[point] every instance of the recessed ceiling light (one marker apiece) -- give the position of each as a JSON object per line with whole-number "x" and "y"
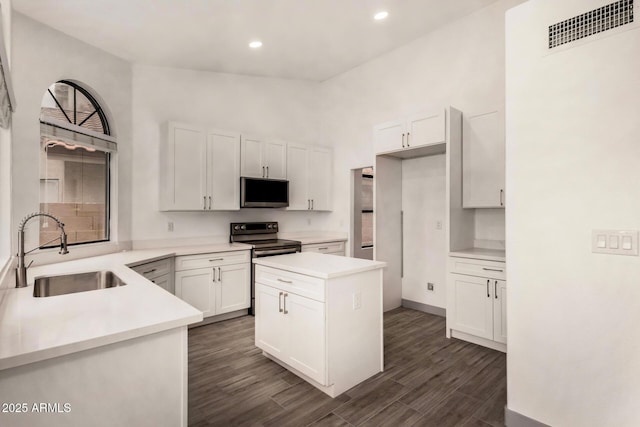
{"x": 380, "y": 15}
{"x": 255, "y": 44}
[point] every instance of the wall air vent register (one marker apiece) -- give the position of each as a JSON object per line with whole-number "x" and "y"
{"x": 596, "y": 21}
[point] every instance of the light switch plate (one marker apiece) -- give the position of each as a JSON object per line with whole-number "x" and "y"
{"x": 614, "y": 242}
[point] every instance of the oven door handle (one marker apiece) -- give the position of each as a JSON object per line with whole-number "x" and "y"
{"x": 268, "y": 252}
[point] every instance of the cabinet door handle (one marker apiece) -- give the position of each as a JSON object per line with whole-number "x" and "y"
{"x": 495, "y": 289}
{"x": 204, "y": 200}
{"x": 488, "y": 295}
{"x": 219, "y": 275}
{"x": 311, "y": 204}
{"x": 263, "y": 171}
{"x": 284, "y": 281}
{"x": 285, "y": 303}
{"x": 214, "y": 275}
{"x": 501, "y": 197}
{"x": 216, "y": 259}
{"x": 492, "y": 269}
{"x": 150, "y": 271}
{"x": 308, "y": 204}
{"x": 209, "y": 202}
{"x": 267, "y": 171}
{"x": 408, "y": 138}
{"x": 403, "y": 140}
{"x": 280, "y": 301}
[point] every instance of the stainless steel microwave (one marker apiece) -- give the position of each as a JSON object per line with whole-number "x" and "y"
{"x": 263, "y": 193}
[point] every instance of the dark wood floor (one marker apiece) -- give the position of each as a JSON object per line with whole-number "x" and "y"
{"x": 428, "y": 381}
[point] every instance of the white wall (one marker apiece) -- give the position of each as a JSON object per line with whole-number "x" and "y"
{"x": 42, "y": 56}
{"x": 460, "y": 64}
{"x": 424, "y": 245}
{"x": 284, "y": 109}
{"x": 572, "y": 167}
{"x": 5, "y": 152}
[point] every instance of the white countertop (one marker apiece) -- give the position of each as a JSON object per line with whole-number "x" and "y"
{"x": 34, "y": 329}
{"x": 480, "y": 253}
{"x": 323, "y": 266}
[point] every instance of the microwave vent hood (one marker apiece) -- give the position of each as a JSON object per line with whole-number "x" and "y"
{"x": 263, "y": 193}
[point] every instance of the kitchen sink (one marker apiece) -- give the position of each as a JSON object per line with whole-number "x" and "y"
{"x": 48, "y": 286}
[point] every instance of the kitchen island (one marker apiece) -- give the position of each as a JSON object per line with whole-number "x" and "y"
{"x": 320, "y": 316}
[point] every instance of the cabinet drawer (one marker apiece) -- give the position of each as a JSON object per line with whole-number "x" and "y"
{"x": 479, "y": 268}
{"x": 325, "y": 248}
{"x": 165, "y": 282}
{"x": 310, "y": 287}
{"x": 154, "y": 269}
{"x": 215, "y": 259}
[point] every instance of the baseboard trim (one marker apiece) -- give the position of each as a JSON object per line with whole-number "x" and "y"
{"x": 514, "y": 419}
{"x": 438, "y": 311}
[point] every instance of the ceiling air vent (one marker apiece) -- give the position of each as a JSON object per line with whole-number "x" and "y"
{"x": 596, "y": 21}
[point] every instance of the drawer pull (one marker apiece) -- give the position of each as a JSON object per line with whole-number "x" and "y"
{"x": 285, "y": 303}
{"x": 216, "y": 259}
{"x": 284, "y": 281}
{"x": 488, "y": 296}
{"x": 280, "y": 301}
{"x": 323, "y": 249}
{"x": 492, "y": 269}
{"x": 150, "y": 271}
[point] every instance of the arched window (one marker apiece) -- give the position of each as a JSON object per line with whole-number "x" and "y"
{"x": 76, "y": 149}
{"x": 69, "y": 102}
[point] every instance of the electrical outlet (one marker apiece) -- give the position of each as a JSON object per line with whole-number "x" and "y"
{"x": 170, "y": 226}
{"x": 438, "y": 225}
{"x": 430, "y": 286}
{"x": 357, "y": 301}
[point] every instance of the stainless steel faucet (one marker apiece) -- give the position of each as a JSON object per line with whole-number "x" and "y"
{"x": 21, "y": 269}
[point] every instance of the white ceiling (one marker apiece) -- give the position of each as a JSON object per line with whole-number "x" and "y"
{"x": 303, "y": 39}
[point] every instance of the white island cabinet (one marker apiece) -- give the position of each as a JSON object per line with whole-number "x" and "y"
{"x": 320, "y": 316}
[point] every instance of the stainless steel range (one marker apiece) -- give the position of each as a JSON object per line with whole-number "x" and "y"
{"x": 263, "y": 236}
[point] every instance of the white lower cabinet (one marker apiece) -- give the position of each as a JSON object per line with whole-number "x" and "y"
{"x": 292, "y": 328}
{"x": 476, "y": 308}
{"x": 195, "y": 287}
{"x": 219, "y": 287}
{"x": 159, "y": 272}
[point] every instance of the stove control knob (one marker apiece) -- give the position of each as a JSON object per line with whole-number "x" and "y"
{"x": 269, "y": 226}
{"x": 236, "y": 227}
{"x": 243, "y": 227}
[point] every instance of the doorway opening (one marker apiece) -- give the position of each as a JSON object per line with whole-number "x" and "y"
{"x": 362, "y": 213}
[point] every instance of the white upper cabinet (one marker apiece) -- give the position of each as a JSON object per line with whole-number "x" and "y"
{"x": 483, "y": 160}
{"x": 310, "y": 172}
{"x": 425, "y": 129}
{"x": 262, "y": 158}
{"x": 321, "y": 172}
{"x": 418, "y": 130}
{"x": 183, "y": 168}
{"x": 298, "y": 177}
{"x": 389, "y": 136}
{"x": 200, "y": 169}
{"x": 223, "y": 170}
